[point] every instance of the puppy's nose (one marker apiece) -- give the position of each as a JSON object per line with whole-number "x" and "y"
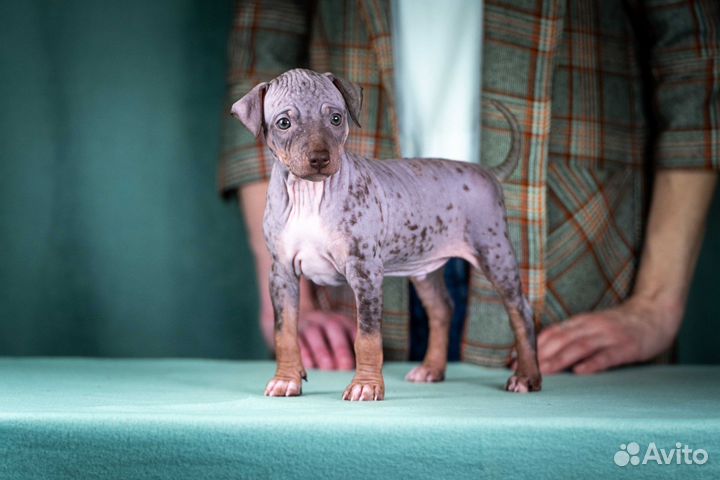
{"x": 319, "y": 159}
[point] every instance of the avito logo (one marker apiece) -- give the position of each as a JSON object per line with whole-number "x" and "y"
{"x": 629, "y": 454}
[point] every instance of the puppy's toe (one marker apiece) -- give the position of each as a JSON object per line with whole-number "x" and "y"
{"x": 362, "y": 391}
{"x": 283, "y": 387}
{"x": 523, "y": 384}
{"x": 426, "y": 374}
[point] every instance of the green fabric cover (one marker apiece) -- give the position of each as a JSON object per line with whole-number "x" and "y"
{"x": 176, "y": 419}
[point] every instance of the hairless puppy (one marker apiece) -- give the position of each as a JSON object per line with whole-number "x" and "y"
{"x": 334, "y": 216}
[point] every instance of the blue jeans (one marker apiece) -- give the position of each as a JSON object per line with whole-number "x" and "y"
{"x": 457, "y": 274}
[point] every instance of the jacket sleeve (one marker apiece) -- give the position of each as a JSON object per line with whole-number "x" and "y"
{"x": 267, "y": 38}
{"x": 685, "y": 65}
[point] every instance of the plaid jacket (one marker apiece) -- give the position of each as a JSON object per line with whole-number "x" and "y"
{"x": 604, "y": 92}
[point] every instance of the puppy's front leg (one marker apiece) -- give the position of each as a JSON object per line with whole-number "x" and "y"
{"x": 365, "y": 278}
{"x": 285, "y": 295}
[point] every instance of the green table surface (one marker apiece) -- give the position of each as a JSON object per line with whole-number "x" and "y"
{"x": 109, "y": 418}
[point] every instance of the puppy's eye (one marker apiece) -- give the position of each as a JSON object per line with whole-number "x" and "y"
{"x": 283, "y": 123}
{"x": 336, "y": 119}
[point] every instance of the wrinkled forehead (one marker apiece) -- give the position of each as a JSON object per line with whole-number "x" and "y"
{"x": 302, "y": 89}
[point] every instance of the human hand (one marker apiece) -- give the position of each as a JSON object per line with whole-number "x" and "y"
{"x": 326, "y": 340}
{"x": 634, "y": 331}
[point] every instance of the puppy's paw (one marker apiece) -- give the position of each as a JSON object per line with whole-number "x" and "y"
{"x": 524, "y": 384}
{"x": 426, "y": 374}
{"x": 365, "y": 390}
{"x": 284, "y": 386}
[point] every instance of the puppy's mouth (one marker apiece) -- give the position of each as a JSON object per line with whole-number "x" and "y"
{"x": 316, "y": 177}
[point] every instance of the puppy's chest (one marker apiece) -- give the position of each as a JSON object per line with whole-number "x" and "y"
{"x": 311, "y": 244}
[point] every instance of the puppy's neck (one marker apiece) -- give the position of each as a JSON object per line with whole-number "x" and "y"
{"x": 305, "y": 195}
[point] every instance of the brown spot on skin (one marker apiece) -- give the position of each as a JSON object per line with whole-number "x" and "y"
{"x": 466, "y": 188}
{"x": 361, "y": 273}
{"x": 458, "y": 170}
{"x": 441, "y": 227}
{"x": 449, "y": 207}
{"x": 398, "y": 195}
{"x": 355, "y": 249}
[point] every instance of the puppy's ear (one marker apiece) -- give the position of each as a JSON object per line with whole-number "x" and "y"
{"x": 352, "y": 94}
{"x": 249, "y": 109}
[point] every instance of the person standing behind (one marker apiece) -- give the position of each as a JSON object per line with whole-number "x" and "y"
{"x": 605, "y": 92}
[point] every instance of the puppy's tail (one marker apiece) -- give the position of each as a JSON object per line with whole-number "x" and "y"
{"x": 507, "y": 167}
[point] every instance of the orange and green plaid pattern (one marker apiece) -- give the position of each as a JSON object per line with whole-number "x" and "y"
{"x": 603, "y": 91}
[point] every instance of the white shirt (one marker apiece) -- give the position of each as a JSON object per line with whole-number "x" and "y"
{"x": 437, "y": 50}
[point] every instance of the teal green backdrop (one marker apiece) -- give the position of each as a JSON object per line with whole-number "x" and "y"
{"x": 113, "y": 240}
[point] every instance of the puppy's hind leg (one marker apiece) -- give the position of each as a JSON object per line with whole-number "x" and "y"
{"x": 438, "y": 305}
{"x": 497, "y": 260}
